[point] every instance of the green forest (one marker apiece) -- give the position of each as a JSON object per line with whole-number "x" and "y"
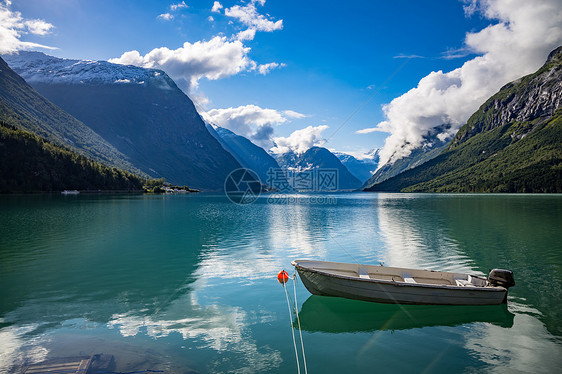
{"x": 29, "y": 163}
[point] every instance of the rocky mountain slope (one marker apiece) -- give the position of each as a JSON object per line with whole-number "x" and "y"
{"x": 141, "y": 112}
{"x": 513, "y": 143}
{"x": 245, "y": 152}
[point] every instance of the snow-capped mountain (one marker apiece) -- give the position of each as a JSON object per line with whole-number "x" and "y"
{"x": 37, "y": 67}
{"x": 363, "y": 168}
{"x": 319, "y": 158}
{"x": 25, "y": 108}
{"x": 141, "y": 112}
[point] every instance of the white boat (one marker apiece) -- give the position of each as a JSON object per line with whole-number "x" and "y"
{"x": 70, "y": 192}
{"x": 385, "y": 284}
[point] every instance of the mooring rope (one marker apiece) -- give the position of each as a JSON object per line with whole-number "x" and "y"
{"x": 299, "y": 320}
{"x": 292, "y": 330}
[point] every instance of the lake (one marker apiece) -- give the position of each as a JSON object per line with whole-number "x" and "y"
{"x": 187, "y": 283}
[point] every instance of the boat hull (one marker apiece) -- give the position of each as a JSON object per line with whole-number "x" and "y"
{"x": 319, "y": 283}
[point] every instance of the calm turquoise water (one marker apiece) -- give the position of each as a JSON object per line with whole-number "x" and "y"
{"x": 188, "y": 283}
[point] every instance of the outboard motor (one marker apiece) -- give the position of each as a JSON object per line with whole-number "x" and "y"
{"x": 502, "y": 278}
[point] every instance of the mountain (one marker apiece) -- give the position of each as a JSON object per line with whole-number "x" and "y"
{"x": 141, "y": 112}
{"x": 361, "y": 169}
{"x": 513, "y": 143}
{"x": 246, "y": 153}
{"x": 23, "y": 107}
{"x": 319, "y": 163}
{"x": 431, "y": 148}
{"x": 29, "y": 163}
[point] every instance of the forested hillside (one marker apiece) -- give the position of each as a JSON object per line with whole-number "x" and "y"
{"x": 29, "y": 163}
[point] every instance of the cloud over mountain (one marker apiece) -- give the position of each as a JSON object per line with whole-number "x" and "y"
{"x": 300, "y": 141}
{"x": 251, "y": 121}
{"x": 213, "y": 59}
{"x": 516, "y": 43}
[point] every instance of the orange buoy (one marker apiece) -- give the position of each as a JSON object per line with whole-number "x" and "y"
{"x": 283, "y": 277}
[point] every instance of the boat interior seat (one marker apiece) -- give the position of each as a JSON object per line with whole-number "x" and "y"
{"x": 463, "y": 282}
{"x": 408, "y": 278}
{"x": 363, "y": 273}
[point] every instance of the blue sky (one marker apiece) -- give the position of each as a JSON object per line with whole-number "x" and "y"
{"x": 335, "y": 59}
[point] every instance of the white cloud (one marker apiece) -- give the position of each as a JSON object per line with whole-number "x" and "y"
{"x": 177, "y": 6}
{"x": 517, "y": 42}
{"x": 455, "y": 53}
{"x": 38, "y": 26}
{"x": 173, "y": 8}
{"x": 246, "y": 35}
{"x": 216, "y": 7}
{"x": 13, "y": 26}
{"x": 217, "y": 58}
{"x": 251, "y": 121}
{"x": 166, "y": 17}
{"x": 470, "y": 7}
{"x": 214, "y": 59}
{"x": 300, "y": 141}
{"x": 266, "y": 68}
{"x": 293, "y": 114}
{"x": 368, "y": 130}
{"x": 401, "y": 55}
{"x": 249, "y": 16}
